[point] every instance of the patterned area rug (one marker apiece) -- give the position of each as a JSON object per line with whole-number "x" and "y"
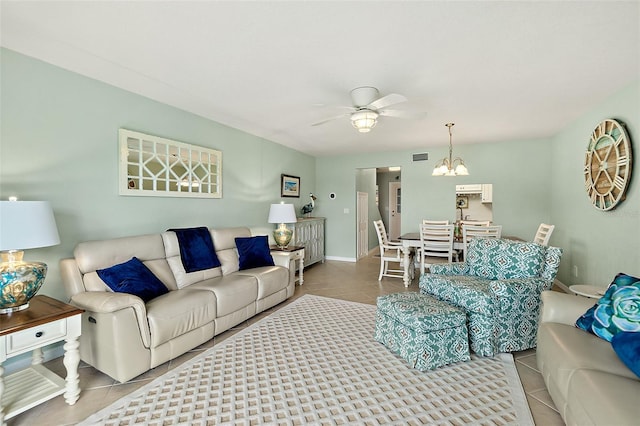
{"x": 315, "y": 362}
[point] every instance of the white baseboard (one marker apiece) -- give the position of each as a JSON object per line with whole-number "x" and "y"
{"x": 341, "y": 259}
{"x": 21, "y": 362}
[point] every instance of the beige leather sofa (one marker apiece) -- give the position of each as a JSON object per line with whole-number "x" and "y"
{"x": 124, "y": 337}
{"x": 585, "y": 378}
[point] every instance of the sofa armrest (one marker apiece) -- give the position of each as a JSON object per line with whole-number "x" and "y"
{"x": 563, "y": 308}
{"x": 71, "y": 277}
{"x": 106, "y": 302}
{"x": 455, "y": 268}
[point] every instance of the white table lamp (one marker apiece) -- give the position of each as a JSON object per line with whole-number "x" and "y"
{"x": 282, "y": 214}
{"x": 23, "y": 225}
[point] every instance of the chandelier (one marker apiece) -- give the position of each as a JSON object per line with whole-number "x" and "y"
{"x": 447, "y": 166}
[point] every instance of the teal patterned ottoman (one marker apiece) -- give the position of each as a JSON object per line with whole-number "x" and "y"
{"x": 424, "y": 331}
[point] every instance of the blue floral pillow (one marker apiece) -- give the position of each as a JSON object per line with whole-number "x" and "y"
{"x": 617, "y": 311}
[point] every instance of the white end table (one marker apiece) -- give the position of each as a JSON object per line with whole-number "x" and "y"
{"x": 44, "y": 322}
{"x": 586, "y": 290}
{"x": 283, "y": 257}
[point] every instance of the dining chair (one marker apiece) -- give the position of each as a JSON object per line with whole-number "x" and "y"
{"x": 429, "y": 222}
{"x": 390, "y": 251}
{"x": 436, "y": 241}
{"x": 434, "y": 222}
{"x": 457, "y": 253}
{"x": 474, "y": 231}
{"x": 475, "y": 222}
{"x": 543, "y": 235}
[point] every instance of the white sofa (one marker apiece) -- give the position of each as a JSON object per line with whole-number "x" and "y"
{"x": 124, "y": 337}
{"x": 585, "y": 378}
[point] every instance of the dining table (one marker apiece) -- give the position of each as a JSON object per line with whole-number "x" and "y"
{"x": 412, "y": 240}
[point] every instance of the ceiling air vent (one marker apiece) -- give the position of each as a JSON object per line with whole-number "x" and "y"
{"x": 423, "y": 156}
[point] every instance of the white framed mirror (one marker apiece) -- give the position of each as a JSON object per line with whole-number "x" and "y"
{"x": 155, "y": 166}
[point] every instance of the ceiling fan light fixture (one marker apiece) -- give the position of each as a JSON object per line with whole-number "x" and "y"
{"x": 364, "y": 120}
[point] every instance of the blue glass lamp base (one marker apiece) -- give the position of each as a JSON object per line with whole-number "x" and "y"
{"x": 19, "y": 282}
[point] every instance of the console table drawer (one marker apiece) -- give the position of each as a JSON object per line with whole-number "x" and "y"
{"x": 36, "y": 336}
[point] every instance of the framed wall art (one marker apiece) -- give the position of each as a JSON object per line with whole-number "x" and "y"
{"x": 289, "y": 186}
{"x": 155, "y": 166}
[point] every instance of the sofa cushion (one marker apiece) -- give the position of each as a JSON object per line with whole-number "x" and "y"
{"x": 615, "y": 312}
{"x": 133, "y": 277}
{"x": 597, "y": 398}
{"x": 498, "y": 259}
{"x": 179, "y": 312}
{"x": 467, "y": 291}
{"x": 182, "y": 277}
{"x": 271, "y": 279}
{"x": 564, "y": 349}
{"x": 253, "y": 252}
{"x": 93, "y": 255}
{"x": 233, "y": 292}
{"x": 225, "y": 243}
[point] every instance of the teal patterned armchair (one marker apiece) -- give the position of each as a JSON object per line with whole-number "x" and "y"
{"x": 498, "y": 286}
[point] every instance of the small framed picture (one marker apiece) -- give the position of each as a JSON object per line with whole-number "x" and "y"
{"x": 462, "y": 202}
{"x": 289, "y": 186}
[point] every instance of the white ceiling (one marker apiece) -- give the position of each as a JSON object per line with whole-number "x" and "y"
{"x": 502, "y": 71}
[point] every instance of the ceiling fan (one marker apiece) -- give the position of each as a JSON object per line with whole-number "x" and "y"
{"x": 368, "y": 106}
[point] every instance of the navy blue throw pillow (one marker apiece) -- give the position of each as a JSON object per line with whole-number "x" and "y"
{"x": 133, "y": 277}
{"x": 254, "y": 252}
{"x": 627, "y": 347}
{"x": 196, "y": 249}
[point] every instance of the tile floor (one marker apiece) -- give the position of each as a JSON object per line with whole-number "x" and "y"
{"x": 349, "y": 281}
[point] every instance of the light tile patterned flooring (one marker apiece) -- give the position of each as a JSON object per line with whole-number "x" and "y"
{"x": 356, "y": 282}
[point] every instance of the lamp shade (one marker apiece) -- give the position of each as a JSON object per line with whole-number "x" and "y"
{"x": 26, "y": 225}
{"x": 282, "y": 213}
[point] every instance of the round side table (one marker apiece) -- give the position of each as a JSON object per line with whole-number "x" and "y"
{"x": 590, "y": 291}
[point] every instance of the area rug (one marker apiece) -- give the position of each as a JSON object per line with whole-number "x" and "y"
{"x": 315, "y": 361}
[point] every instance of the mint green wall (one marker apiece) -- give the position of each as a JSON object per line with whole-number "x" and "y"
{"x": 59, "y": 142}
{"x": 519, "y": 171}
{"x": 600, "y": 244}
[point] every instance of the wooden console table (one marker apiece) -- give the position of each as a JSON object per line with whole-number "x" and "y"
{"x": 46, "y": 321}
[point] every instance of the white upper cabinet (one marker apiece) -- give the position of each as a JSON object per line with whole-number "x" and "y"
{"x": 474, "y": 188}
{"x": 487, "y": 193}
{"x": 484, "y": 189}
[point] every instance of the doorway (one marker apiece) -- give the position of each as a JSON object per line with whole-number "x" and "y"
{"x": 395, "y": 210}
{"x": 374, "y": 182}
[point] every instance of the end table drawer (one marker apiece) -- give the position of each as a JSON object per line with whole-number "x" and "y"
{"x": 36, "y": 336}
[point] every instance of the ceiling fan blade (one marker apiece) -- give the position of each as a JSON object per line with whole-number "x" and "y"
{"x": 331, "y": 119}
{"x": 402, "y": 113}
{"x": 385, "y": 101}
